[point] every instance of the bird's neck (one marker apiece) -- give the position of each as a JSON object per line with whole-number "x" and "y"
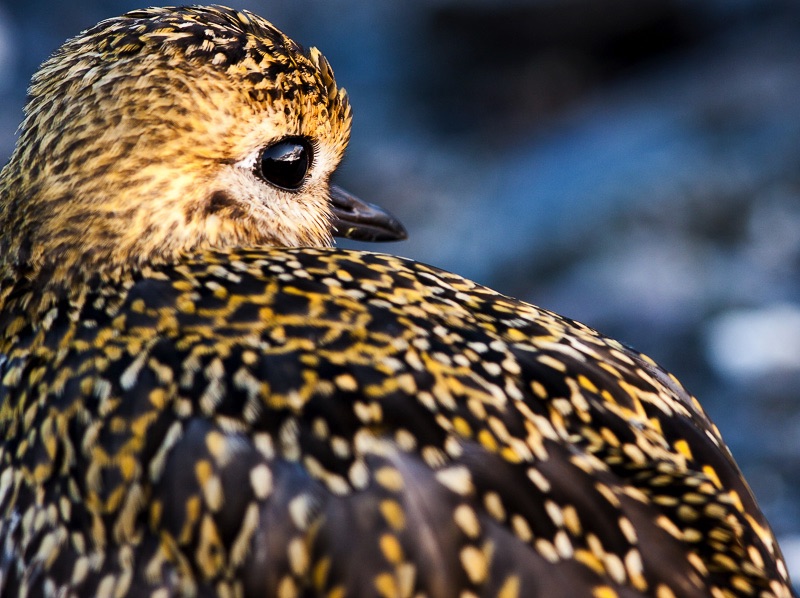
{"x": 50, "y": 251}
{"x": 38, "y": 270}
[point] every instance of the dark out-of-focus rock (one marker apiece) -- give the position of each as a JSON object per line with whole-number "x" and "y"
{"x": 548, "y": 54}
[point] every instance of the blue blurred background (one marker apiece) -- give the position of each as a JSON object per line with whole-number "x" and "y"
{"x": 631, "y": 164}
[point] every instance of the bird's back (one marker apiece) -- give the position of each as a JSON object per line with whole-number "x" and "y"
{"x": 318, "y": 422}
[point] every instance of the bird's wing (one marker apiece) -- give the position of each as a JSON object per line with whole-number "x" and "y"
{"x": 320, "y": 422}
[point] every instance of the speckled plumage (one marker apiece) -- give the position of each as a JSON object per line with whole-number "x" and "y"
{"x": 211, "y": 415}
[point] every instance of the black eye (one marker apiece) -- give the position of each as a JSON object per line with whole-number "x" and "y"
{"x": 285, "y": 164}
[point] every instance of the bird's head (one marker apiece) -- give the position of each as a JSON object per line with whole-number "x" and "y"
{"x": 169, "y": 130}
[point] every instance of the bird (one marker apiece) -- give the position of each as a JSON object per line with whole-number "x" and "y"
{"x": 200, "y": 395}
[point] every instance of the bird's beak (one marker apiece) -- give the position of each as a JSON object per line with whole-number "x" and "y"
{"x": 361, "y": 221}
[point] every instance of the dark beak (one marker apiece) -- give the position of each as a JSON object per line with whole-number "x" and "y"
{"x": 362, "y": 221}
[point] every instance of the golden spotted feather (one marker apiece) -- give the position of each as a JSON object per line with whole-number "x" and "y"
{"x": 186, "y": 411}
{"x": 305, "y": 422}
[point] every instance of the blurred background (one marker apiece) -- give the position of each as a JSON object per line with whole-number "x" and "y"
{"x": 631, "y": 164}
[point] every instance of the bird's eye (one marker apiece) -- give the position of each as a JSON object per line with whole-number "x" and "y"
{"x": 285, "y": 164}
